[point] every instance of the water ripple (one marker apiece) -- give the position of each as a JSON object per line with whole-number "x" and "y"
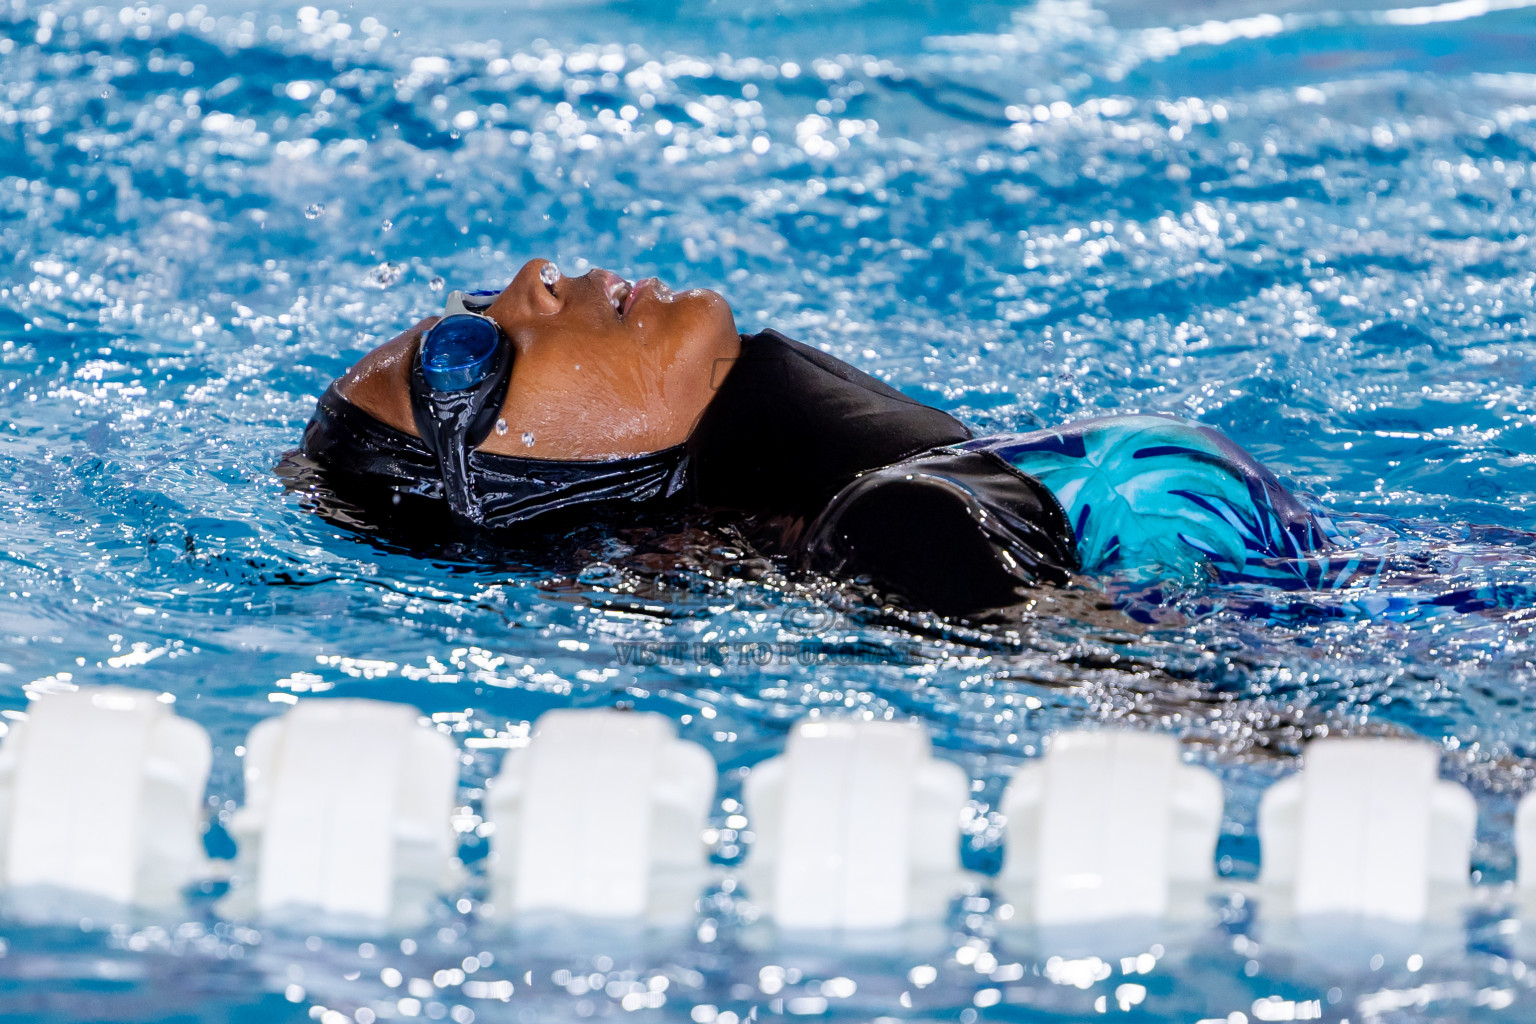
{"x": 1308, "y": 225}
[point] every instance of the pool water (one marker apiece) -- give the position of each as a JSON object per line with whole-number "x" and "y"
{"x": 1308, "y": 224}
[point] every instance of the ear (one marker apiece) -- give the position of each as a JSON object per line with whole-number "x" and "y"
{"x": 380, "y": 383}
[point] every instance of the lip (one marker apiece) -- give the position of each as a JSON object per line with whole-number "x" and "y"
{"x": 616, "y": 290}
{"x": 649, "y": 287}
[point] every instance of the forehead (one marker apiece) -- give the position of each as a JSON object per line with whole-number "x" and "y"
{"x": 380, "y": 382}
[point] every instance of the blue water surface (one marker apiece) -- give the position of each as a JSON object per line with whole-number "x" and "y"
{"x": 1307, "y": 223}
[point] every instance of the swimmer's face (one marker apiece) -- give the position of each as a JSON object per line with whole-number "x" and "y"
{"x": 605, "y": 368}
{"x": 602, "y": 368}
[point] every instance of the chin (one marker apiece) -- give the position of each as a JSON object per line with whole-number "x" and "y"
{"x": 709, "y": 308}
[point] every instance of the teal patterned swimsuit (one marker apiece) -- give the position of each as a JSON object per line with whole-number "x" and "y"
{"x": 1155, "y": 497}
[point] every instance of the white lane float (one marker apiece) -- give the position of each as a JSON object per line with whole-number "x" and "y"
{"x": 857, "y": 825}
{"x": 347, "y": 814}
{"x": 1525, "y": 852}
{"x": 603, "y": 815}
{"x": 1367, "y": 829}
{"x": 101, "y": 793}
{"x": 1110, "y": 825}
{"x": 349, "y": 804}
{"x": 1524, "y": 943}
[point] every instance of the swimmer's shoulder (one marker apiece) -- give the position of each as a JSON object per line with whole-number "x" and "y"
{"x": 380, "y": 382}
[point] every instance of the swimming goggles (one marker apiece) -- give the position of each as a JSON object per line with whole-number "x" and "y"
{"x": 458, "y": 383}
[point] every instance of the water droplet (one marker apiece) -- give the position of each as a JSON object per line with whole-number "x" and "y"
{"x": 437, "y": 284}
{"x": 384, "y": 275}
{"x": 388, "y": 224}
{"x": 314, "y": 210}
{"x": 550, "y": 274}
{"x": 527, "y": 439}
{"x": 501, "y": 426}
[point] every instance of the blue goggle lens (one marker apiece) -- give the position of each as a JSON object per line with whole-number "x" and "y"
{"x": 459, "y": 351}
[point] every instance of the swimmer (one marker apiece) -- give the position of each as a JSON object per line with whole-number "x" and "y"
{"x": 562, "y": 400}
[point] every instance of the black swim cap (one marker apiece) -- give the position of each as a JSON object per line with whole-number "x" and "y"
{"x": 354, "y": 447}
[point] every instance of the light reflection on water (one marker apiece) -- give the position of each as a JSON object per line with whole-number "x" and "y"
{"x": 1307, "y": 225}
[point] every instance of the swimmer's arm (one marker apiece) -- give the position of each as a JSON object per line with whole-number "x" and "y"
{"x": 380, "y": 383}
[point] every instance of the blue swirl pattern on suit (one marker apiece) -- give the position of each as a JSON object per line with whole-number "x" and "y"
{"x": 1157, "y": 497}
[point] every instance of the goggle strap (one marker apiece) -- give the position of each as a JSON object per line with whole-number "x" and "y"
{"x": 452, "y": 423}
